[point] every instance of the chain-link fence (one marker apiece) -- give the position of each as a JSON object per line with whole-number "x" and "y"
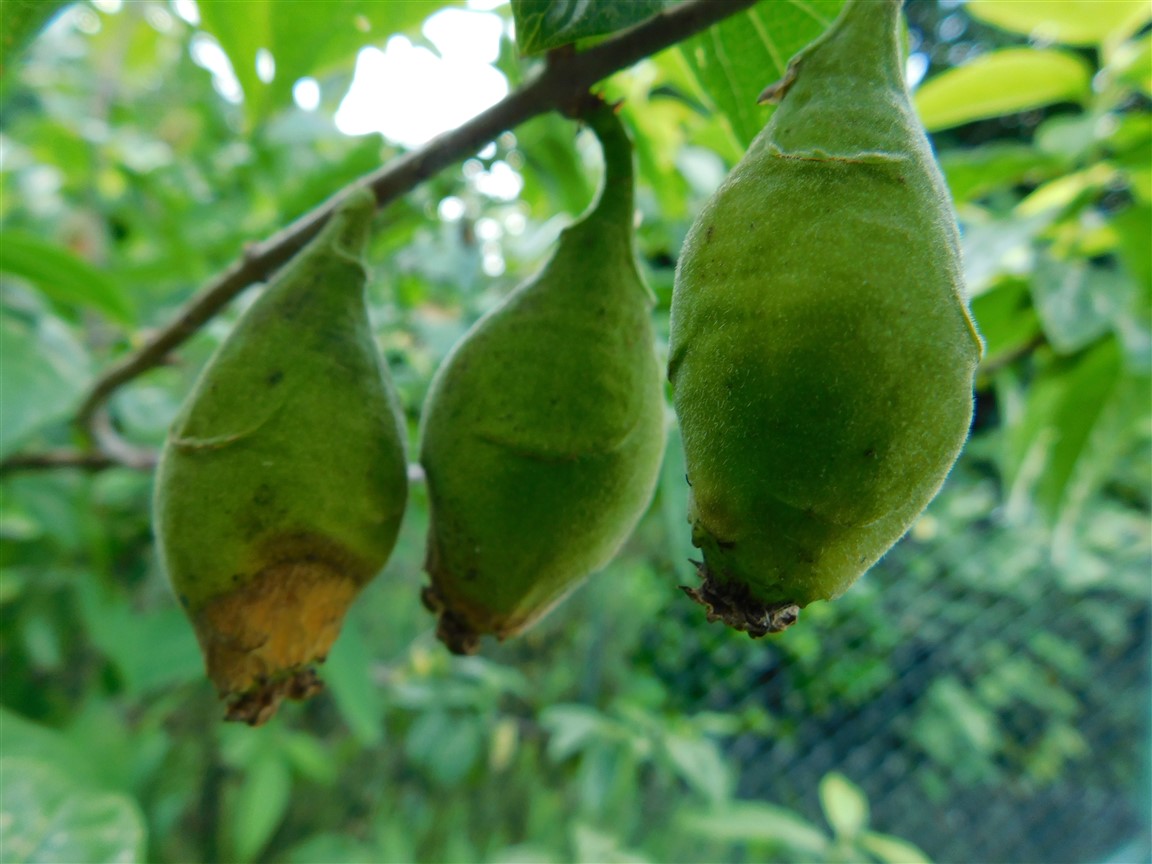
{"x": 991, "y": 704}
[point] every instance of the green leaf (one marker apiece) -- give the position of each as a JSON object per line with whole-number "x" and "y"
{"x": 1056, "y": 195}
{"x": 242, "y": 29}
{"x": 1086, "y": 389}
{"x": 310, "y": 758}
{"x": 952, "y": 720}
{"x": 1131, "y": 63}
{"x": 21, "y": 21}
{"x": 554, "y": 177}
{"x": 1118, "y": 427}
{"x": 310, "y": 38}
{"x": 736, "y": 59}
{"x": 757, "y": 822}
{"x": 302, "y": 37}
{"x": 545, "y": 24}
{"x": 1070, "y": 22}
{"x": 326, "y": 848}
{"x": 600, "y": 765}
{"x": 596, "y": 846}
{"x": 46, "y": 816}
{"x": 261, "y": 803}
{"x": 1080, "y": 414}
{"x": 63, "y": 277}
{"x": 845, "y": 806}
{"x": 571, "y": 728}
{"x": 996, "y": 247}
{"x": 43, "y": 371}
{"x": 1133, "y": 227}
{"x": 348, "y": 673}
{"x": 1077, "y": 301}
{"x": 446, "y": 744}
{"x": 1006, "y": 318}
{"x": 975, "y": 172}
{"x": 976, "y": 90}
{"x": 151, "y": 650}
{"x": 892, "y": 850}
{"x": 700, "y": 764}
{"x": 30, "y": 740}
{"x": 1075, "y": 137}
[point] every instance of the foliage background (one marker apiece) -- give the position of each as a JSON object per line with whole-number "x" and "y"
{"x": 983, "y": 693}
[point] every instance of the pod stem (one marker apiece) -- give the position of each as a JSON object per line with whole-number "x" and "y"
{"x": 341, "y": 242}
{"x": 350, "y": 225}
{"x": 863, "y": 42}
{"x": 616, "y": 200}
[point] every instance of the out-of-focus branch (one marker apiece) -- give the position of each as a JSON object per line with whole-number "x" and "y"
{"x": 990, "y": 366}
{"x": 54, "y": 459}
{"x": 565, "y": 77}
{"x": 138, "y": 460}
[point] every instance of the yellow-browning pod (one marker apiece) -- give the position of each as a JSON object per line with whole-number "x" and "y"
{"x": 543, "y": 431}
{"x": 283, "y": 481}
{"x": 821, "y": 355}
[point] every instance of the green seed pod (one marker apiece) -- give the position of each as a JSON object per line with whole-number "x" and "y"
{"x": 822, "y": 355}
{"x": 543, "y": 431}
{"x": 283, "y": 481}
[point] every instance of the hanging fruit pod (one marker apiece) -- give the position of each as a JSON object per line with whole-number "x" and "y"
{"x": 544, "y": 429}
{"x": 822, "y": 355}
{"x": 283, "y": 481}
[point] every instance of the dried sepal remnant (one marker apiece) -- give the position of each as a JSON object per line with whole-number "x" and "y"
{"x": 457, "y": 633}
{"x": 821, "y": 354}
{"x": 543, "y": 431}
{"x": 283, "y": 481}
{"x": 735, "y": 606}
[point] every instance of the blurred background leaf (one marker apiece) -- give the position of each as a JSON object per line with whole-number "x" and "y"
{"x": 735, "y": 60}
{"x": 1073, "y": 22}
{"x": 20, "y": 23}
{"x": 976, "y": 90}
{"x": 62, "y": 276}
{"x": 48, "y": 817}
{"x": 43, "y": 371}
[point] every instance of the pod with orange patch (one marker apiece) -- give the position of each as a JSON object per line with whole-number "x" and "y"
{"x": 283, "y": 481}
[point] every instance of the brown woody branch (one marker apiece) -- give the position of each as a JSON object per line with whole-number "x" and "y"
{"x": 566, "y": 76}
{"x": 54, "y": 459}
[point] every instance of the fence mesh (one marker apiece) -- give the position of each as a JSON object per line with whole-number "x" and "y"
{"x": 1003, "y": 722}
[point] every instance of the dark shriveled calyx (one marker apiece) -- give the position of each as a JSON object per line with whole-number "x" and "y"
{"x": 821, "y": 352}
{"x": 282, "y": 483}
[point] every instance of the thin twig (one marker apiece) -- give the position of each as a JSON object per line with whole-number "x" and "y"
{"x": 55, "y": 459}
{"x": 992, "y": 365}
{"x": 565, "y": 77}
{"x": 562, "y": 79}
{"x": 139, "y": 460}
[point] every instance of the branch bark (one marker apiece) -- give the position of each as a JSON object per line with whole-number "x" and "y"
{"x": 55, "y": 459}
{"x": 565, "y": 78}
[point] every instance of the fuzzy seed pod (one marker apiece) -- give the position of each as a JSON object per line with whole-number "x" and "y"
{"x": 543, "y": 431}
{"x": 283, "y": 481}
{"x": 822, "y": 355}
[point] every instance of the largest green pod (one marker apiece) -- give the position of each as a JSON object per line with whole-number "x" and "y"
{"x": 283, "y": 481}
{"x": 822, "y": 355}
{"x": 543, "y": 431}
